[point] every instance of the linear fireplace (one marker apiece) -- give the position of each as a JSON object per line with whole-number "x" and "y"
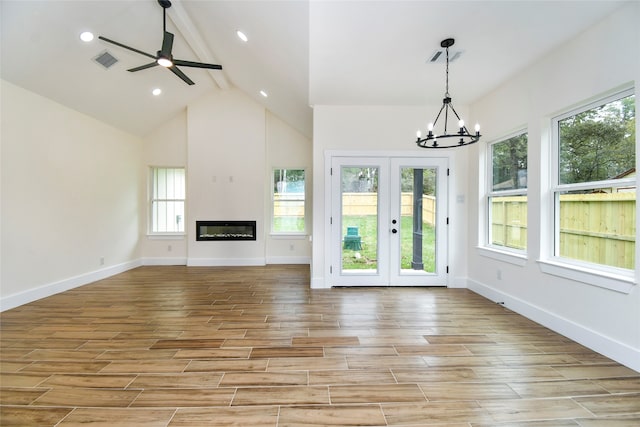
{"x": 225, "y": 230}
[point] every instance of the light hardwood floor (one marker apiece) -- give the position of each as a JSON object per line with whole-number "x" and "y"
{"x": 178, "y": 346}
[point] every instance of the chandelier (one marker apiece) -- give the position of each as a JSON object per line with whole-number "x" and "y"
{"x": 458, "y": 138}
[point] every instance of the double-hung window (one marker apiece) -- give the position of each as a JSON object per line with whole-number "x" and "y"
{"x": 288, "y": 201}
{"x": 507, "y": 195}
{"x": 594, "y": 185}
{"x": 167, "y": 200}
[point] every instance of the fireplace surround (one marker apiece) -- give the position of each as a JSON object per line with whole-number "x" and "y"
{"x": 225, "y": 230}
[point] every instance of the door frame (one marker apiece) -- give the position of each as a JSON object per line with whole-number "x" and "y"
{"x": 384, "y": 156}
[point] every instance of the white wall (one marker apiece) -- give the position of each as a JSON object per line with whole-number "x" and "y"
{"x": 604, "y": 58}
{"x": 166, "y": 146}
{"x": 287, "y": 148}
{"x": 71, "y": 194}
{"x": 382, "y": 129}
{"x": 225, "y": 175}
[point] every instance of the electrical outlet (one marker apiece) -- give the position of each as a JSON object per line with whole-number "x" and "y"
{"x": 169, "y": 248}
{"x": 291, "y": 247}
{"x": 101, "y": 260}
{"x": 499, "y": 274}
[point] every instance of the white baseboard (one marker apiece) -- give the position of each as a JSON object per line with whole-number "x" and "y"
{"x": 457, "y": 282}
{"x": 15, "y": 300}
{"x": 224, "y": 262}
{"x": 164, "y": 261}
{"x": 289, "y": 260}
{"x": 620, "y": 352}
{"x": 319, "y": 283}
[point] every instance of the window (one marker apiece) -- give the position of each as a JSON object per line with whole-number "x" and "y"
{"x": 507, "y": 196}
{"x": 594, "y": 191}
{"x": 167, "y": 200}
{"x": 288, "y": 201}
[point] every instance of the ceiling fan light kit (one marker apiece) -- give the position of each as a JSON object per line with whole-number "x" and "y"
{"x": 164, "y": 57}
{"x": 462, "y": 136}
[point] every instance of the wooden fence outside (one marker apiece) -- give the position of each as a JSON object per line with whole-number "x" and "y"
{"x": 358, "y": 204}
{"x": 599, "y": 228}
{"x": 596, "y": 227}
{"x": 288, "y": 205}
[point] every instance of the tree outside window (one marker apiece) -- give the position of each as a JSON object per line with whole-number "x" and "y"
{"x": 598, "y": 144}
{"x": 595, "y": 189}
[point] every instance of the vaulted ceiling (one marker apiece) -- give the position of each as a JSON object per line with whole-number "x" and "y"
{"x": 301, "y": 53}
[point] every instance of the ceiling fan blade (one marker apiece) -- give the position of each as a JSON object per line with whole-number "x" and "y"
{"x": 167, "y": 44}
{"x": 175, "y": 70}
{"x": 197, "y": 64}
{"x": 127, "y": 47}
{"x": 143, "y": 67}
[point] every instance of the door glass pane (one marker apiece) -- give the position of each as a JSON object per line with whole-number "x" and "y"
{"x": 359, "y": 219}
{"x": 417, "y": 220}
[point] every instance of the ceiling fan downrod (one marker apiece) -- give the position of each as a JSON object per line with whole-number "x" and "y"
{"x": 166, "y": 4}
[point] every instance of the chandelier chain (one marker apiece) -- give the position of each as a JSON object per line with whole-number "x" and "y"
{"x": 446, "y": 93}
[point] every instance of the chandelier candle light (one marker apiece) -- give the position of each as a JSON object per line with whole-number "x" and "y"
{"x": 458, "y": 139}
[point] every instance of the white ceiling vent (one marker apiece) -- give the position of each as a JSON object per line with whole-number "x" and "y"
{"x": 439, "y": 56}
{"x": 105, "y": 59}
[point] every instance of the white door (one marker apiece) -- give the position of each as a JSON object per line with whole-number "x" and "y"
{"x": 388, "y": 222}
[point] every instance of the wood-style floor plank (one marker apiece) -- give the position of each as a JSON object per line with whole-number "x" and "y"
{"x": 255, "y": 346}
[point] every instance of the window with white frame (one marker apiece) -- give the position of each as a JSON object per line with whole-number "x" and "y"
{"x": 594, "y": 184}
{"x": 288, "y": 201}
{"x": 167, "y": 200}
{"x": 507, "y": 195}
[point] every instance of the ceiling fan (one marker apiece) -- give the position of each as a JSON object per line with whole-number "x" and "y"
{"x": 164, "y": 57}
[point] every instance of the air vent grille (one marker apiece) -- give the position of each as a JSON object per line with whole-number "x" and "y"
{"x": 439, "y": 56}
{"x": 105, "y": 59}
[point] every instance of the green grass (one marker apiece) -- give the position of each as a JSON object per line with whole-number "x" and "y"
{"x": 367, "y": 259}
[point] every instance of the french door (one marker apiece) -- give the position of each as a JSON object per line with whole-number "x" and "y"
{"x": 388, "y": 221}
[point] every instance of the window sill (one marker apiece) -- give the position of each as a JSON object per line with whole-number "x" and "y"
{"x": 613, "y": 279}
{"x": 288, "y": 236}
{"x": 166, "y": 236}
{"x": 504, "y": 256}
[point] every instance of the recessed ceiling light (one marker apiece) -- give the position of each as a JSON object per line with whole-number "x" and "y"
{"x": 263, "y": 93}
{"x": 156, "y": 91}
{"x": 86, "y": 36}
{"x": 242, "y": 36}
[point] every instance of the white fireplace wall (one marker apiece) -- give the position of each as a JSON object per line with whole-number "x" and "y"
{"x": 229, "y": 145}
{"x": 225, "y": 173}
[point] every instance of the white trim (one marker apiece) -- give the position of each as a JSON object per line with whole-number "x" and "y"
{"x": 490, "y": 193}
{"x": 289, "y": 260}
{"x": 550, "y": 262}
{"x": 304, "y": 200}
{"x": 620, "y": 352}
{"x": 458, "y": 282}
{"x": 164, "y": 261}
{"x": 514, "y": 258}
{"x": 47, "y": 290}
{"x": 166, "y": 236}
{"x": 319, "y": 283}
{"x": 590, "y": 276}
{"x": 225, "y": 262}
{"x": 288, "y": 236}
{"x": 151, "y": 200}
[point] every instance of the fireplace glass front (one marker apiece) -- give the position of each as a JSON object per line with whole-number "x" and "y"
{"x": 225, "y": 230}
